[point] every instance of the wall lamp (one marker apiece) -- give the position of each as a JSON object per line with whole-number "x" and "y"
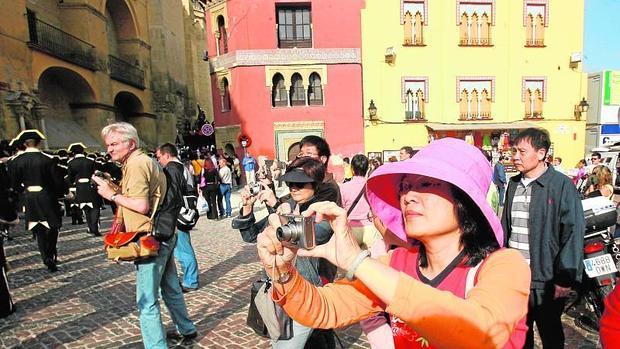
{"x": 581, "y": 108}
{"x": 372, "y": 112}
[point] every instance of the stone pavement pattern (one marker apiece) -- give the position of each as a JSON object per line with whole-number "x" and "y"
{"x": 90, "y": 302}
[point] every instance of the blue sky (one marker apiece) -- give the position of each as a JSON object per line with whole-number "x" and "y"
{"x": 602, "y": 35}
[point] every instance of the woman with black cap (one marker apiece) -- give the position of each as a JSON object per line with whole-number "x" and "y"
{"x": 302, "y": 177}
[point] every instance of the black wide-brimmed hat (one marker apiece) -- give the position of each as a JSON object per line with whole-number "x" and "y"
{"x": 26, "y": 135}
{"x": 297, "y": 175}
{"x": 73, "y": 147}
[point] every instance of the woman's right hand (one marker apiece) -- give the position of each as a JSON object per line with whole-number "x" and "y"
{"x": 272, "y": 252}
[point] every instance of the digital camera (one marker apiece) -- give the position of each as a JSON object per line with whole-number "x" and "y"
{"x": 255, "y": 188}
{"x": 298, "y": 230}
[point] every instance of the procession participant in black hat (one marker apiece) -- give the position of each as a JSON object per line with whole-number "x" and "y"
{"x": 81, "y": 168}
{"x": 37, "y": 174}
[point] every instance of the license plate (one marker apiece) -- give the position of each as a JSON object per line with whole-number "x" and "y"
{"x": 600, "y": 265}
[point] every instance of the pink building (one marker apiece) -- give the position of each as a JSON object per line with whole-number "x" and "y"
{"x": 281, "y": 70}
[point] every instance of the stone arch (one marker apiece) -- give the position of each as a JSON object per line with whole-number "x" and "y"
{"x": 230, "y": 150}
{"x": 121, "y": 29}
{"x": 66, "y": 99}
{"x": 127, "y": 9}
{"x": 127, "y": 106}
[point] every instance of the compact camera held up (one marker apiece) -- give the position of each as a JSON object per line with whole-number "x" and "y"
{"x": 255, "y": 188}
{"x": 297, "y": 230}
{"x": 108, "y": 180}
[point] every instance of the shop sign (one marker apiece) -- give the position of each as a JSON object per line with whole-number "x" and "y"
{"x": 611, "y": 88}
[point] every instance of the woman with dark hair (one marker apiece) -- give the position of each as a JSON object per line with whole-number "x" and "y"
{"x": 210, "y": 187}
{"x": 455, "y": 288}
{"x": 302, "y": 177}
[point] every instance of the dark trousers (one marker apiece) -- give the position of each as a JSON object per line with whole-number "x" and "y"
{"x": 220, "y": 203}
{"x": 92, "y": 219}
{"x": 6, "y": 302}
{"x": 76, "y": 215}
{"x": 210, "y": 193}
{"x": 46, "y": 240}
{"x": 546, "y": 312}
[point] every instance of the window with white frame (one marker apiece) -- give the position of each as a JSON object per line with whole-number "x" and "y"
{"x": 413, "y": 18}
{"x": 535, "y": 19}
{"x": 533, "y": 95}
{"x": 414, "y": 94}
{"x": 475, "y": 19}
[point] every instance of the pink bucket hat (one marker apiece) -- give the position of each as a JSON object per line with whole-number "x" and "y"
{"x": 449, "y": 159}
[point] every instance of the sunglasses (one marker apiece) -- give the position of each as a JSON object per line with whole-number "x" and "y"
{"x": 296, "y": 185}
{"x": 594, "y": 159}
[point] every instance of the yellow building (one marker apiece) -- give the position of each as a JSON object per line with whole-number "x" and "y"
{"x": 474, "y": 69}
{"x": 71, "y": 67}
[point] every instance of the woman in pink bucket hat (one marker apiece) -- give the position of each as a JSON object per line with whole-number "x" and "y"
{"x": 455, "y": 288}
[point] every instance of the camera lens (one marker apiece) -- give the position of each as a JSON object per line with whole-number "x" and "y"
{"x": 286, "y": 233}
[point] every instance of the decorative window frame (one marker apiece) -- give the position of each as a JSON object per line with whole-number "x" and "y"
{"x": 543, "y": 79}
{"x": 403, "y": 86}
{"x": 474, "y": 2}
{"x": 544, "y": 3}
{"x": 402, "y": 10}
{"x": 460, "y": 79}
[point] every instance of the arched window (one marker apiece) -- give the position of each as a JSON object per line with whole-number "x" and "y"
{"x": 485, "y": 30}
{"x": 474, "y": 32}
{"x": 538, "y": 102}
{"x": 419, "y": 96}
{"x": 315, "y": 90}
{"x": 539, "y": 31}
{"x": 529, "y": 103}
{"x": 298, "y": 93}
{"x": 529, "y": 30}
{"x": 225, "y": 95}
{"x": 474, "y": 104}
{"x": 408, "y": 28}
{"x": 410, "y": 106}
{"x": 220, "y": 35}
{"x": 485, "y": 105}
{"x": 464, "y": 37}
{"x": 417, "y": 29}
{"x": 279, "y": 96}
{"x": 464, "y": 104}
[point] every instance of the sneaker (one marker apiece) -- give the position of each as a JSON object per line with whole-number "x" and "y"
{"x": 175, "y": 335}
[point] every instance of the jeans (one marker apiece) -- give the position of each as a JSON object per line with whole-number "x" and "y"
{"x": 155, "y": 274}
{"x": 225, "y": 189}
{"x": 184, "y": 252}
{"x": 501, "y": 191}
{"x": 301, "y": 334}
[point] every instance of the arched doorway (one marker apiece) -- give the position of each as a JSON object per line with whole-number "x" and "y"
{"x": 293, "y": 150}
{"x": 67, "y": 99}
{"x": 127, "y": 106}
{"x": 230, "y": 150}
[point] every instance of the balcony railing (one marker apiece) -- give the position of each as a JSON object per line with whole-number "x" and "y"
{"x": 533, "y": 116}
{"x": 414, "y": 115}
{"x": 475, "y": 116}
{"x": 475, "y": 42}
{"x": 55, "y": 42}
{"x": 534, "y": 42}
{"x": 126, "y": 72}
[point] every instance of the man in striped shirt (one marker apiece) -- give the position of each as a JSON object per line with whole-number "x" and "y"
{"x": 543, "y": 219}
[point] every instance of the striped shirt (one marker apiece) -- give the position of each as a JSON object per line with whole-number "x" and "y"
{"x": 520, "y": 214}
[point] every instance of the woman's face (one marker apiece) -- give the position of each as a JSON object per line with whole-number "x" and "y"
{"x": 301, "y": 192}
{"x": 428, "y": 207}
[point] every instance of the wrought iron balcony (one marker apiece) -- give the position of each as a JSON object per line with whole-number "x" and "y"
{"x": 126, "y": 72}
{"x": 414, "y": 115}
{"x": 464, "y": 116}
{"x": 533, "y": 116}
{"x": 535, "y": 43}
{"x": 466, "y": 41}
{"x": 46, "y": 38}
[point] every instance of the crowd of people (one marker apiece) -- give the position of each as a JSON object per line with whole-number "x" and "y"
{"x": 411, "y": 249}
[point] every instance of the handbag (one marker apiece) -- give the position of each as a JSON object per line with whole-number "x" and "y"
{"x": 265, "y": 317}
{"x": 188, "y": 216}
{"x": 124, "y": 246}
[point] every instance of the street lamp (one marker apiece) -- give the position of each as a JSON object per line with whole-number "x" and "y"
{"x": 581, "y": 108}
{"x": 372, "y": 113}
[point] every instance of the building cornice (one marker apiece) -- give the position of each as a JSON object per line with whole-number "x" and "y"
{"x": 294, "y": 56}
{"x": 82, "y": 6}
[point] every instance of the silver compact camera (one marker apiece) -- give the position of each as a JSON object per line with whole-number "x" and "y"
{"x": 297, "y": 230}
{"x": 255, "y": 188}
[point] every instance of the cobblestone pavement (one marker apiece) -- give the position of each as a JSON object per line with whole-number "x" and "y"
{"x": 90, "y": 302}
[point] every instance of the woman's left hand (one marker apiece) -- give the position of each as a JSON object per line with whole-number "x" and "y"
{"x": 342, "y": 248}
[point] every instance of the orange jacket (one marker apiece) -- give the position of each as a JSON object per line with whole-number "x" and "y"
{"x": 485, "y": 319}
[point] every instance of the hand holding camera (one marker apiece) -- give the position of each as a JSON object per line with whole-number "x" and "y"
{"x": 105, "y": 187}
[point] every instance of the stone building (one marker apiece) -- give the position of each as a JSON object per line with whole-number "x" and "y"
{"x": 69, "y": 67}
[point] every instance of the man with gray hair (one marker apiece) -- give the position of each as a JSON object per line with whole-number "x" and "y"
{"x": 142, "y": 180}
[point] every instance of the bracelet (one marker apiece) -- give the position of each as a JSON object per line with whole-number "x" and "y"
{"x": 350, "y": 275}
{"x": 284, "y": 277}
